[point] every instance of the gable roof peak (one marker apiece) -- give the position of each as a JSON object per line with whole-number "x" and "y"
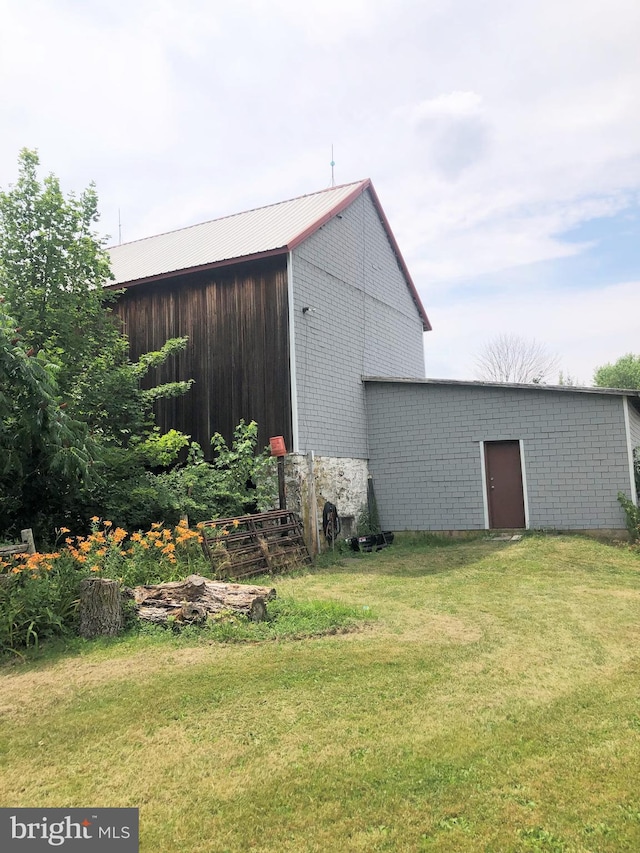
{"x": 251, "y": 234}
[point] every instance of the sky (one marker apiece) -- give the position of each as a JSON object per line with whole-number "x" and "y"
{"x": 502, "y": 137}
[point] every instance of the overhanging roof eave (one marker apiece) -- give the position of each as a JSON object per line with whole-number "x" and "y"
{"x": 518, "y": 386}
{"x": 227, "y": 262}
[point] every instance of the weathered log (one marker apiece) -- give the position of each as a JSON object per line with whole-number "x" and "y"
{"x": 100, "y": 608}
{"x": 192, "y": 599}
{"x": 193, "y": 612}
{"x": 159, "y": 615}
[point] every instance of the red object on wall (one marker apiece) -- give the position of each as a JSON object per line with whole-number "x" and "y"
{"x": 278, "y": 447}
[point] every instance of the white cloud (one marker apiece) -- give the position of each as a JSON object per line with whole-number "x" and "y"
{"x": 328, "y": 22}
{"x": 457, "y": 104}
{"x": 452, "y": 130}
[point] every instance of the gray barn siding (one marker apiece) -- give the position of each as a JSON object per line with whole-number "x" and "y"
{"x": 425, "y": 454}
{"x": 363, "y": 321}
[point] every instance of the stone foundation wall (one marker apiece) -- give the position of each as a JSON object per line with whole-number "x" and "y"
{"x": 312, "y": 480}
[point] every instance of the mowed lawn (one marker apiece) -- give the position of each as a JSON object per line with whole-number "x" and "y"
{"x": 493, "y": 704}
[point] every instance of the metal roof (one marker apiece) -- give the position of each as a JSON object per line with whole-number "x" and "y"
{"x": 254, "y": 232}
{"x": 534, "y": 386}
{"x": 264, "y": 231}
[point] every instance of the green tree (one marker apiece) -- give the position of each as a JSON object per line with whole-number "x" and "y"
{"x": 43, "y": 451}
{"x": 53, "y": 268}
{"x": 53, "y": 271}
{"x": 623, "y": 373}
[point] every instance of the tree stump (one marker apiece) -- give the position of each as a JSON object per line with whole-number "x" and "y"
{"x": 101, "y": 611}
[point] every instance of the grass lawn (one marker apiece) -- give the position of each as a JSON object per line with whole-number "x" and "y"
{"x": 492, "y": 705}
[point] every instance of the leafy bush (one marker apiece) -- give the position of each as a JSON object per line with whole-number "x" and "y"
{"x": 632, "y": 513}
{"x": 237, "y": 482}
{"x": 368, "y": 520}
{"x": 38, "y": 598}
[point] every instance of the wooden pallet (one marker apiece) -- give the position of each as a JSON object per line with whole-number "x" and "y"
{"x": 264, "y": 543}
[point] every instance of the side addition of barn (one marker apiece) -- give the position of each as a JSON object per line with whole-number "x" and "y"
{"x": 493, "y": 456}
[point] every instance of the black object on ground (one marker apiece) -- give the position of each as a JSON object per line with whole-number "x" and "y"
{"x": 373, "y": 541}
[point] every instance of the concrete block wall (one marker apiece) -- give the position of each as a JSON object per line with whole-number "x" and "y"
{"x": 425, "y": 454}
{"x": 363, "y": 320}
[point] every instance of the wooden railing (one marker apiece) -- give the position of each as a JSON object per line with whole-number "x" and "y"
{"x": 27, "y": 546}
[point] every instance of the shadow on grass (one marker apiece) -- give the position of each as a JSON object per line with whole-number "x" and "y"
{"x": 51, "y": 651}
{"x": 411, "y": 559}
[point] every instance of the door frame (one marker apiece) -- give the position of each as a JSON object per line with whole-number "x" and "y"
{"x": 483, "y": 474}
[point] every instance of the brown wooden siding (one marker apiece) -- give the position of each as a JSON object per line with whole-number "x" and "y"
{"x": 236, "y": 319}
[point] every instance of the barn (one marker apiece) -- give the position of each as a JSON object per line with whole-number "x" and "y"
{"x": 286, "y": 307}
{"x": 303, "y": 316}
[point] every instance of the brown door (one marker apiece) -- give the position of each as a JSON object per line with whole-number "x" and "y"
{"x": 504, "y": 484}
